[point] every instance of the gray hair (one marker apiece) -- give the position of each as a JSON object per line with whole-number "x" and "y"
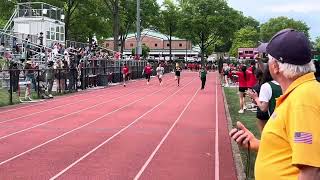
{"x": 291, "y": 71}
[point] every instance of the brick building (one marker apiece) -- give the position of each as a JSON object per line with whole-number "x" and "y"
{"x": 159, "y": 45}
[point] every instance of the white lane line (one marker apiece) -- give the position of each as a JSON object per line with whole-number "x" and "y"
{"x": 9, "y": 120}
{"x": 75, "y": 129}
{"x": 216, "y": 157}
{"x": 86, "y": 92}
{"x": 115, "y": 135}
{"x": 69, "y": 114}
{"x": 164, "y": 138}
{"x": 54, "y": 100}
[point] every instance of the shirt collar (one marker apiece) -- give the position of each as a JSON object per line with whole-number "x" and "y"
{"x": 295, "y": 84}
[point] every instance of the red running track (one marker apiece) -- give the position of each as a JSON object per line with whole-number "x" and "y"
{"x": 138, "y": 132}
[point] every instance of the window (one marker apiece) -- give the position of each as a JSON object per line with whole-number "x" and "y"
{"x": 156, "y": 45}
{"x": 57, "y": 36}
{"x": 131, "y": 45}
{"x": 52, "y": 35}
{"x": 61, "y": 37}
{"x": 168, "y": 45}
{"x": 180, "y": 45}
{"x": 62, "y": 29}
{"x": 107, "y": 44}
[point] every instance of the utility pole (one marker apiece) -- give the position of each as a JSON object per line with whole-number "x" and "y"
{"x": 138, "y": 49}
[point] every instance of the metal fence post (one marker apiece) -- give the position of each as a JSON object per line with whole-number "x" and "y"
{"x": 10, "y": 86}
{"x": 59, "y": 80}
{"x": 38, "y": 83}
{"x": 82, "y": 80}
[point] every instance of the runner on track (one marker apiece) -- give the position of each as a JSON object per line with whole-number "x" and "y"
{"x": 147, "y": 71}
{"x": 160, "y": 72}
{"x": 178, "y": 73}
{"x": 125, "y": 72}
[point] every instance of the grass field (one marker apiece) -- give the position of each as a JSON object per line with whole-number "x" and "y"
{"x": 248, "y": 119}
{"x": 4, "y": 97}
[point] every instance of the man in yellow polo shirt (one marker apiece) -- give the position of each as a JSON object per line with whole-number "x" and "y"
{"x": 289, "y": 148}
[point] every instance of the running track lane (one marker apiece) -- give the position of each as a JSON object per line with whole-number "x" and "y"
{"x": 18, "y": 107}
{"x": 54, "y": 105}
{"x": 41, "y": 161}
{"x": 187, "y": 152}
{"x": 40, "y": 134}
{"x": 120, "y": 158}
{"x": 12, "y": 126}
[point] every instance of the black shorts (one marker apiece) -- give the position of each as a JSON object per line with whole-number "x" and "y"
{"x": 264, "y": 116}
{"x": 243, "y": 89}
{"x": 147, "y": 76}
{"x": 178, "y": 73}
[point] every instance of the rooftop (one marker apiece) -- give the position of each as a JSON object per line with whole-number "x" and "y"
{"x": 150, "y": 33}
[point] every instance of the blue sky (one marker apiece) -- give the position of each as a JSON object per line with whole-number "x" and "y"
{"x": 262, "y": 10}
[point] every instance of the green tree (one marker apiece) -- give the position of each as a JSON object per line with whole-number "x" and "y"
{"x": 145, "y": 51}
{"x": 149, "y": 11}
{"x": 317, "y": 44}
{"x": 113, "y": 7}
{"x": 88, "y": 21}
{"x": 274, "y": 25}
{"x": 6, "y": 10}
{"x": 249, "y": 21}
{"x": 168, "y": 23}
{"x": 207, "y": 21}
{"x": 246, "y": 37}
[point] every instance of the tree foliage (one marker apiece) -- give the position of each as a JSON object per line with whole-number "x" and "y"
{"x": 168, "y": 21}
{"x": 317, "y": 44}
{"x": 246, "y": 37}
{"x": 274, "y": 25}
{"x": 145, "y": 51}
{"x": 128, "y": 11}
{"x": 207, "y": 21}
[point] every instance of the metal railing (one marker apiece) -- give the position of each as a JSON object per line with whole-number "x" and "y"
{"x": 39, "y": 9}
{"x": 10, "y": 21}
{"x": 16, "y": 83}
{"x": 21, "y": 46}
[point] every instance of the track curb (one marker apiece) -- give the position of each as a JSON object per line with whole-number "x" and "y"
{"x": 235, "y": 148}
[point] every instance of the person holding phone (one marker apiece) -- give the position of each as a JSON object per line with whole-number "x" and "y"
{"x": 290, "y": 142}
{"x": 265, "y": 98}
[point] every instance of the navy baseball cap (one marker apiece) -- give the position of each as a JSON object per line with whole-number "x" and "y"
{"x": 290, "y": 46}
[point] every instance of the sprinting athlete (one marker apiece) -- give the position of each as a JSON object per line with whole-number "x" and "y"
{"x": 160, "y": 72}
{"x": 147, "y": 72}
{"x": 178, "y": 73}
{"x": 125, "y": 72}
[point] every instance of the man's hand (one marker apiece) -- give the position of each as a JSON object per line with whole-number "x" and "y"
{"x": 243, "y": 137}
{"x": 309, "y": 173}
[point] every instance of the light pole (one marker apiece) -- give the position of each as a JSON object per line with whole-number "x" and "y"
{"x": 138, "y": 49}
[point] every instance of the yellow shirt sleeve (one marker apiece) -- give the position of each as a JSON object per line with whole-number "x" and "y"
{"x": 304, "y": 135}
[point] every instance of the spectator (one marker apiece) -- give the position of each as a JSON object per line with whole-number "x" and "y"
{"x": 317, "y": 64}
{"x": 243, "y": 77}
{"x": 265, "y": 98}
{"x": 290, "y": 145}
{"x": 2, "y": 49}
{"x": 49, "y": 78}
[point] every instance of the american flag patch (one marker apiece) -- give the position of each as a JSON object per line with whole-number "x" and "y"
{"x": 303, "y": 137}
